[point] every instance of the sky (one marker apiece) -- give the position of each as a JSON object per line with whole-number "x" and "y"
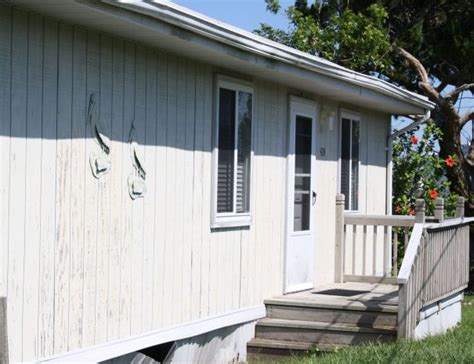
{"x": 245, "y": 14}
{"x": 248, "y": 14}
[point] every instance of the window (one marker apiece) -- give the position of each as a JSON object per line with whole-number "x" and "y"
{"x": 303, "y": 156}
{"x": 232, "y": 154}
{"x": 350, "y": 141}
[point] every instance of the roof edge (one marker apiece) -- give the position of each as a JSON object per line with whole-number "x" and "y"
{"x": 221, "y": 32}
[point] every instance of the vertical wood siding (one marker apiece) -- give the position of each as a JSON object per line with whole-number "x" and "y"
{"x": 80, "y": 263}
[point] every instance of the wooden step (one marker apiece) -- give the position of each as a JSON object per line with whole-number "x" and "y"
{"x": 321, "y": 332}
{"x": 336, "y": 304}
{"x": 260, "y": 349}
{"x": 368, "y": 316}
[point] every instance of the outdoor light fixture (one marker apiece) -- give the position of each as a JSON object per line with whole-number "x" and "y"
{"x": 328, "y": 117}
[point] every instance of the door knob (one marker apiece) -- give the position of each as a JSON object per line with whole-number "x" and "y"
{"x": 315, "y": 195}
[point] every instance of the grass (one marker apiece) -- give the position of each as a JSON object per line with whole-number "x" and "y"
{"x": 457, "y": 346}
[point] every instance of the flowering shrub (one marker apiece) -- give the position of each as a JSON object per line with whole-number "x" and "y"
{"x": 418, "y": 172}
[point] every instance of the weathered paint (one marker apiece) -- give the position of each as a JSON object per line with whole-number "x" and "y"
{"x": 81, "y": 263}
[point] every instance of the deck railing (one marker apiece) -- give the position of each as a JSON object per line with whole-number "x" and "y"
{"x": 360, "y": 239}
{"x": 435, "y": 266}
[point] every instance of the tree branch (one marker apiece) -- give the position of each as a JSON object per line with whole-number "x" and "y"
{"x": 441, "y": 86}
{"x": 453, "y": 95}
{"x": 465, "y": 118}
{"x": 470, "y": 154}
{"x": 425, "y": 82}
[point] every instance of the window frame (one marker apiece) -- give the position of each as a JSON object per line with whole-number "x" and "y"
{"x": 231, "y": 219}
{"x": 352, "y": 116}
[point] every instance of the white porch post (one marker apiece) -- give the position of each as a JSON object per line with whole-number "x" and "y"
{"x": 339, "y": 261}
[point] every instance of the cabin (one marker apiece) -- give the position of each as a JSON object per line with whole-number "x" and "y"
{"x": 175, "y": 189}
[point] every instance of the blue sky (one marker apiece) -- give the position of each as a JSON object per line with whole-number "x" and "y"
{"x": 245, "y": 14}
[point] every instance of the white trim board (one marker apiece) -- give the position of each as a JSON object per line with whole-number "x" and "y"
{"x": 118, "y": 348}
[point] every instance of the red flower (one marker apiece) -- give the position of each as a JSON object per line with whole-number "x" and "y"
{"x": 398, "y": 209}
{"x": 449, "y": 161}
{"x": 411, "y": 212}
{"x": 414, "y": 140}
{"x": 433, "y": 194}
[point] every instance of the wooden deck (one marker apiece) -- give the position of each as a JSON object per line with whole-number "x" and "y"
{"x": 326, "y": 317}
{"x": 349, "y": 294}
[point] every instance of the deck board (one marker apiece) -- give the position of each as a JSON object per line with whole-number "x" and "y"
{"x": 384, "y": 296}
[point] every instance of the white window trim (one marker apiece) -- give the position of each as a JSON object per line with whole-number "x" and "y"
{"x": 230, "y": 219}
{"x": 353, "y": 116}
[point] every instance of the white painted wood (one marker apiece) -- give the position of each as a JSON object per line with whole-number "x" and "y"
{"x": 427, "y": 276}
{"x": 149, "y": 201}
{"x": 79, "y": 173}
{"x": 63, "y": 190}
{"x": 4, "y": 355}
{"x": 257, "y": 229}
{"x": 273, "y": 183}
{"x": 179, "y": 183}
{"x": 410, "y": 254}
{"x": 225, "y": 345}
{"x": 16, "y": 238}
{"x": 188, "y": 195}
{"x": 160, "y": 194}
{"x": 104, "y": 193}
{"x": 299, "y": 243}
{"x": 91, "y": 190}
{"x": 340, "y": 239}
{"x": 282, "y": 117}
{"x": 380, "y": 220}
{"x": 48, "y": 190}
{"x": 5, "y": 99}
{"x": 138, "y": 204}
{"x": 208, "y": 299}
{"x": 119, "y": 154}
{"x": 127, "y": 217}
{"x": 33, "y": 188}
{"x": 170, "y": 190}
{"x": 198, "y": 253}
{"x": 265, "y": 179}
{"x": 190, "y": 329}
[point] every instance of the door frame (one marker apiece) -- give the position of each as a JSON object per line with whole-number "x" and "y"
{"x": 291, "y": 117}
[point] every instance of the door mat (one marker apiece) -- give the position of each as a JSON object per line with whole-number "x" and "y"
{"x": 341, "y": 292}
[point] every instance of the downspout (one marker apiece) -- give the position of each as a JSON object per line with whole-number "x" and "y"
{"x": 390, "y": 140}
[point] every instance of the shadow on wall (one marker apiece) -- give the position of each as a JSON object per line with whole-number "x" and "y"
{"x": 50, "y": 70}
{"x": 226, "y": 345}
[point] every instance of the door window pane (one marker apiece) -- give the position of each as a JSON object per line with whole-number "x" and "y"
{"x": 225, "y": 172}
{"x": 243, "y": 152}
{"x": 303, "y": 145}
{"x": 301, "y": 212}
{"x": 302, "y": 179}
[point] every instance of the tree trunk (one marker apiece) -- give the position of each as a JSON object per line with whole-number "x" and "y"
{"x": 450, "y": 123}
{"x": 450, "y": 145}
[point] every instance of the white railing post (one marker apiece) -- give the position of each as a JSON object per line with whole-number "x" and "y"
{"x": 460, "y": 207}
{"x": 3, "y": 331}
{"x": 439, "y": 209}
{"x": 339, "y": 254}
{"x": 420, "y": 211}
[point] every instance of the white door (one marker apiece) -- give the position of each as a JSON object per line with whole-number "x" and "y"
{"x": 299, "y": 257}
